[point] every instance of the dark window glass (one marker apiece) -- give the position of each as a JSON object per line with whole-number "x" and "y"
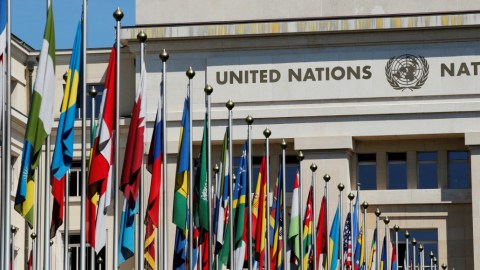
{"x": 74, "y": 250}
{"x": 458, "y": 169}
{"x": 367, "y": 171}
{"x": 397, "y": 171}
{"x": 75, "y": 179}
{"x": 427, "y": 169}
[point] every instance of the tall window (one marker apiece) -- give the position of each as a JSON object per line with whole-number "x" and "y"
{"x": 98, "y": 101}
{"x": 427, "y": 169}
{"x": 427, "y": 237}
{"x": 367, "y": 171}
{"x": 75, "y": 179}
{"x": 397, "y": 171}
{"x": 74, "y": 251}
{"x": 458, "y": 169}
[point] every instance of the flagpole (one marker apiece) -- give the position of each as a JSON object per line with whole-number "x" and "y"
{"x": 341, "y": 187}
{"x": 431, "y": 259}
{"x": 118, "y": 15}
{"x": 386, "y": 220}
{"x": 14, "y": 231}
{"x": 284, "y": 196}
{"x": 267, "y": 134}
{"x": 444, "y": 266}
{"x": 396, "y": 228}
{"x": 46, "y": 207}
{"x": 377, "y": 257}
{"x": 230, "y": 106}
{"x": 7, "y": 171}
{"x": 407, "y": 235}
{"x": 190, "y": 74}
{"x": 421, "y": 257}
{"x": 365, "y": 249}
{"x": 249, "y": 121}
{"x": 216, "y": 169}
{"x": 435, "y": 263}
{"x": 208, "y": 92}
{"x": 142, "y": 37}
{"x": 92, "y": 93}
{"x": 38, "y": 217}
{"x": 326, "y": 178}
{"x": 300, "y": 158}
{"x": 313, "y": 168}
{"x": 414, "y": 243}
{"x": 66, "y": 224}
{"x": 351, "y": 196}
{"x": 164, "y": 57}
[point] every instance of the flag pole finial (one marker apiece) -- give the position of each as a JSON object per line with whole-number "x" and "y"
{"x": 65, "y": 75}
{"x": 378, "y": 212}
{"x": 414, "y": 241}
{"x": 208, "y": 89}
{"x": 300, "y": 156}
{"x": 396, "y": 227}
{"x": 141, "y": 36}
{"x": 283, "y": 144}
{"x": 230, "y": 104}
{"x": 313, "y": 167}
{"x": 190, "y": 73}
{"x": 341, "y": 187}
{"x": 435, "y": 261}
{"x": 326, "y": 178}
{"x": 164, "y": 55}
{"x": 420, "y": 248}
{"x": 249, "y": 120}
{"x": 33, "y": 235}
{"x": 216, "y": 168}
{"x": 267, "y": 133}
{"x": 93, "y": 92}
{"x": 386, "y": 220}
{"x": 14, "y": 229}
{"x": 118, "y": 14}
{"x": 365, "y": 205}
{"x": 444, "y": 266}
{"x": 351, "y": 196}
{"x": 407, "y": 234}
{"x": 431, "y": 255}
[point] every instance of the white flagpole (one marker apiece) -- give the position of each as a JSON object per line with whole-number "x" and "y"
{"x": 142, "y": 37}
{"x": 414, "y": 244}
{"x": 92, "y": 93}
{"x": 396, "y": 228}
{"x": 407, "y": 235}
{"x": 300, "y": 158}
{"x": 377, "y": 250}
{"x": 66, "y": 233}
{"x": 249, "y": 121}
{"x": 314, "y": 168}
{"x": 230, "y": 106}
{"x": 118, "y": 15}
{"x": 267, "y": 134}
{"x": 283, "y": 200}
{"x": 12, "y": 244}
{"x": 365, "y": 249}
{"x": 341, "y": 187}
{"x": 386, "y": 220}
{"x": 326, "y": 178}
{"x": 208, "y": 92}
{"x": 190, "y": 74}
{"x": 164, "y": 57}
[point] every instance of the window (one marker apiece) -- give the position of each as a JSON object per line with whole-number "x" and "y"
{"x": 367, "y": 171}
{"x": 458, "y": 169}
{"x": 75, "y": 179}
{"x": 427, "y": 237}
{"x": 74, "y": 250}
{"x": 397, "y": 171}
{"x": 427, "y": 169}
{"x": 98, "y": 101}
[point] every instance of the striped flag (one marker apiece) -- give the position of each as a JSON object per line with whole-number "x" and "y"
{"x": 221, "y": 207}
{"x": 276, "y": 219}
{"x": 355, "y": 222}
{"x": 40, "y": 121}
{"x": 394, "y": 257}
{"x": 63, "y": 153}
{"x": 100, "y": 173}
{"x": 334, "y": 240}
{"x": 308, "y": 230}
{"x": 321, "y": 241}
{"x": 372, "y": 264}
{"x": 259, "y": 214}
{"x": 180, "y": 206}
{"x": 347, "y": 242}
{"x": 155, "y": 167}
{"x": 383, "y": 259}
{"x": 239, "y": 200}
{"x": 294, "y": 229}
{"x": 358, "y": 255}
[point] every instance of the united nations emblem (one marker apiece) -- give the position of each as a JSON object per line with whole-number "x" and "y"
{"x": 407, "y": 72}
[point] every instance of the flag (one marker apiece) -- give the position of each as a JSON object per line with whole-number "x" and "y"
{"x": 372, "y": 261}
{"x": 358, "y": 255}
{"x": 40, "y": 121}
{"x": 276, "y": 220}
{"x": 294, "y": 229}
{"x": 259, "y": 214}
{"x": 347, "y": 242}
{"x": 383, "y": 259}
{"x": 155, "y": 167}
{"x": 334, "y": 240}
{"x": 101, "y": 159}
{"x": 63, "y": 153}
{"x": 394, "y": 257}
{"x": 132, "y": 171}
{"x": 201, "y": 184}
{"x": 180, "y": 205}
{"x": 308, "y": 230}
{"x": 355, "y": 222}
{"x": 239, "y": 200}
{"x": 221, "y": 210}
{"x": 321, "y": 241}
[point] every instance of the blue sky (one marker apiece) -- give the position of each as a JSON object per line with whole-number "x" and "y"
{"x": 28, "y": 21}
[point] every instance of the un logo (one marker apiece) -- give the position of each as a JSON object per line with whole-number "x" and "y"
{"x": 407, "y": 72}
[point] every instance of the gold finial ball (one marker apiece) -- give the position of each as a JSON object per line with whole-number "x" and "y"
{"x": 420, "y": 248}
{"x": 300, "y": 156}
{"x": 414, "y": 241}
{"x": 164, "y": 55}
{"x": 283, "y": 144}
{"x": 407, "y": 234}
{"x": 396, "y": 227}
{"x": 230, "y": 104}
{"x": 378, "y": 212}
{"x": 208, "y": 89}
{"x": 351, "y": 196}
{"x": 326, "y": 178}
{"x": 190, "y": 73}
{"x": 216, "y": 168}
{"x": 141, "y": 36}
{"x": 249, "y": 120}
{"x": 118, "y": 14}
{"x": 267, "y": 133}
{"x": 431, "y": 254}
{"x": 13, "y": 229}
{"x": 33, "y": 235}
{"x": 93, "y": 91}
{"x": 386, "y": 220}
{"x": 365, "y": 205}
{"x": 65, "y": 76}
{"x": 313, "y": 167}
{"x": 341, "y": 187}
{"x": 444, "y": 266}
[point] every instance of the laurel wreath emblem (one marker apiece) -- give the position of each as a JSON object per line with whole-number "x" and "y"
{"x": 394, "y": 81}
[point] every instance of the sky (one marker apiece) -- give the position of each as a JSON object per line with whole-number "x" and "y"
{"x": 28, "y": 22}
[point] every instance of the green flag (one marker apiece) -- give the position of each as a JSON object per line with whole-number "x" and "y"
{"x": 201, "y": 184}
{"x": 294, "y": 229}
